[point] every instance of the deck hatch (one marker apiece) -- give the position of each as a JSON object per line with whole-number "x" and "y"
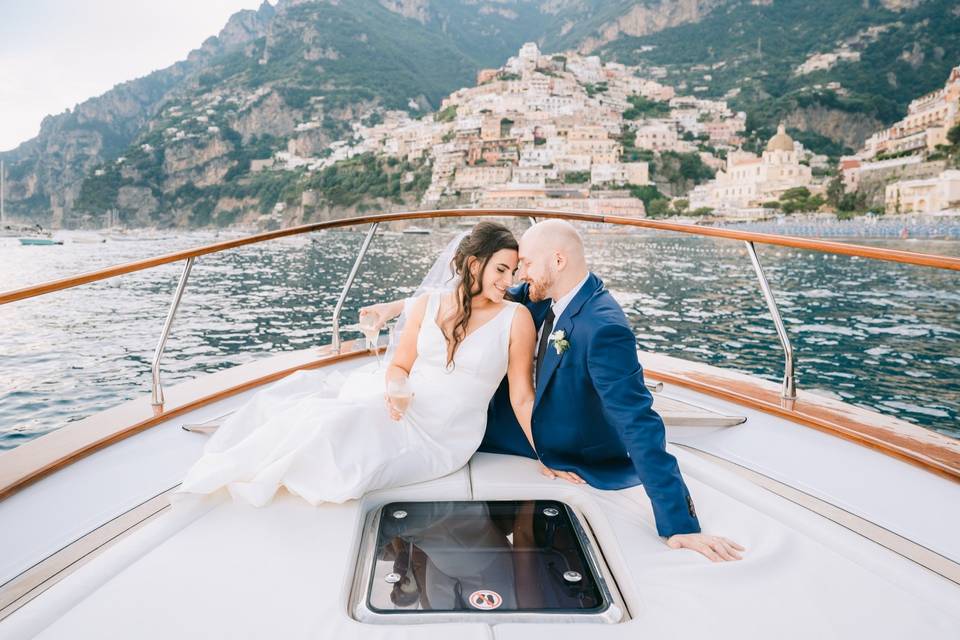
{"x": 493, "y": 560}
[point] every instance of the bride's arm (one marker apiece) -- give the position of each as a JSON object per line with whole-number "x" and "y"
{"x": 406, "y": 353}
{"x": 523, "y": 336}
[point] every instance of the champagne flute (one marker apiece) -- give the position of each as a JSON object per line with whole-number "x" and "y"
{"x": 400, "y": 393}
{"x": 368, "y": 325}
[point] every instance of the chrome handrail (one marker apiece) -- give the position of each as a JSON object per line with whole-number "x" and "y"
{"x": 789, "y": 391}
{"x": 348, "y": 284}
{"x": 789, "y": 385}
{"x": 157, "y": 390}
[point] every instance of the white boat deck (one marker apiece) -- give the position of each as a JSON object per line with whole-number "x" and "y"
{"x": 112, "y": 481}
{"x": 215, "y": 569}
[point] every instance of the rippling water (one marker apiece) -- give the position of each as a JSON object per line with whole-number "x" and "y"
{"x": 878, "y": 335}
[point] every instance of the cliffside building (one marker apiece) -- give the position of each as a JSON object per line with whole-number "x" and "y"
{"x": 928, "y": 119}
{"x": 748, "y": 180}
{"x": 924, "y": 196}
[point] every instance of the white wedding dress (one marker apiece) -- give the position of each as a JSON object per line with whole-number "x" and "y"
{"x": 327, "y": 439}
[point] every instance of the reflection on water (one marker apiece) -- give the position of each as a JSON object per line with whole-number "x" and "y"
{"x": 879, "y": 335}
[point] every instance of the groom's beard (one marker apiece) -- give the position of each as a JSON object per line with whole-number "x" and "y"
{"x": 538, "y": 290}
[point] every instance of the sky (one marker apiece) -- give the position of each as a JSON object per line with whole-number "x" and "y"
{"x": 54, "y": 54}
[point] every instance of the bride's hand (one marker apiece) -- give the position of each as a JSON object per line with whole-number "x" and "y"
{"x": 569, "y": 476}
{"x": 395, "y": 414}
{"x": 384, "y": 312}
{"x": 372, "y": 311}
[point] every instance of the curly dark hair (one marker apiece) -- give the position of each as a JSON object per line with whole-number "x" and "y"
{"x": 481, "y": 243}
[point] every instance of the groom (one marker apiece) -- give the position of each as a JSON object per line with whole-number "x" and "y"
{"x": 593, "y": 419}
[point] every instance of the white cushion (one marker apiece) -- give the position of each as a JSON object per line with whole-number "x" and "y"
{"x": 216, "y": 569}
{"x": 802, "y": 576}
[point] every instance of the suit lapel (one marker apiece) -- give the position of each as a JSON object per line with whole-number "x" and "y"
{"x": 551, "y": 359}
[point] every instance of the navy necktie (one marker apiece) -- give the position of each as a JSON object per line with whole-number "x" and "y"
{"x": 544, "y": 339}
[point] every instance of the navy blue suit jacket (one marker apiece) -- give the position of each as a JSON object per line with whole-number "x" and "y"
{"x": 593, "y": 414}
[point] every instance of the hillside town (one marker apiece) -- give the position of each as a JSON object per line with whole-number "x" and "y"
{"x": 569, "y": 131}
{"x": 560, "y": 131}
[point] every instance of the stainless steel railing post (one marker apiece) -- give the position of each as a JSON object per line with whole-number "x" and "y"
{"x": 789, "y": 391}
{"x": 348, "y": 284}
{"x": 157, "y": 392}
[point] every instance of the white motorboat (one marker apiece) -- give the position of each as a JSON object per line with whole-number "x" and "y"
{"x": 41, "y": 242}
{"x": 88, "y": 239}
{"x": 850, "y": 517}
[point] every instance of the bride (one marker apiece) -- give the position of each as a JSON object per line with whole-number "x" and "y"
{"x": 330, "y": 443}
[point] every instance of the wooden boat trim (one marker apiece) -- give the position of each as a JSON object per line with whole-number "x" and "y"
{"x": 876, "y": 253}
{"x": 887, "y": 434}
{"x": 58, "y": 449}
{"x": 61, "y": 448}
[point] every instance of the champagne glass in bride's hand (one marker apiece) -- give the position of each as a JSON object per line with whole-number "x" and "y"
{"x": 370, "y": 326}
{"x": 399, "y": 396}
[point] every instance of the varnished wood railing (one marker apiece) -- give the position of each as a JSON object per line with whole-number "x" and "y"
{"x": 825, "y": 246}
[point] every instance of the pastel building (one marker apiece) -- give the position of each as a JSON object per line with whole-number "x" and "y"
{"x": 749, "y": 181}
{"x": 928, "y": 119}
{"x": 924, "y": 196}
{"x": 566, "y": 199}
{"x": 620, "y": 173}
{"x": 658, "y": 136}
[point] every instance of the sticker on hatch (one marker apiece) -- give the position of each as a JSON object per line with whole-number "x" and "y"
{"x": 485, "y": 600}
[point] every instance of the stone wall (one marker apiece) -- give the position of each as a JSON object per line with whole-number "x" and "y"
{"x": 874, "y": 183}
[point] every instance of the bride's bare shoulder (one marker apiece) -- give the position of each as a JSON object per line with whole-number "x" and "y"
{"x": 522, "y": 320}
{"x": 418, "y": 307}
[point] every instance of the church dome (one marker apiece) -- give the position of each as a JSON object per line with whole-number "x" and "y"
{"x": 781, "y": 141}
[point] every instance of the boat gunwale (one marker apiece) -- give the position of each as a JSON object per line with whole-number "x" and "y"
{"x": 31, "y": 461}
{"x": 58, "y": 449}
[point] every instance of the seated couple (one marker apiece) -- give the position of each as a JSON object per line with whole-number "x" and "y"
{"x": 545, "y": 369}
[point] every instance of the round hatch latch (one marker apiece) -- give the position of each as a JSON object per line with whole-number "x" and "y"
{"x": 399, "y": 514}
{"x": 572, "y": 576}
{"x": 392, "y": 578}
{"x": 551, "y": 512}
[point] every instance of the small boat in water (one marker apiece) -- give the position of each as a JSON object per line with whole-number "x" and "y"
{"x": 15, "y": 230}
{"x": 39, "y": 241}
{"x": 417, "y": 231}
{"x": 849, "y": 517}
{"x": 94, "y": 239}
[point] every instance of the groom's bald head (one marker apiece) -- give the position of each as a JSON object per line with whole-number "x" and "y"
{"x": 555, "y": 235}
{"x": 551, "y": 258}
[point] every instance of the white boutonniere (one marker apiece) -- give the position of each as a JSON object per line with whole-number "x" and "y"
{"x": 559, "y": 340}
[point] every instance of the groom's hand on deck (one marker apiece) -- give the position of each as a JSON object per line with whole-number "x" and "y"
{"x": 569, "y": 476}
{"x": 716, "y": 548}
